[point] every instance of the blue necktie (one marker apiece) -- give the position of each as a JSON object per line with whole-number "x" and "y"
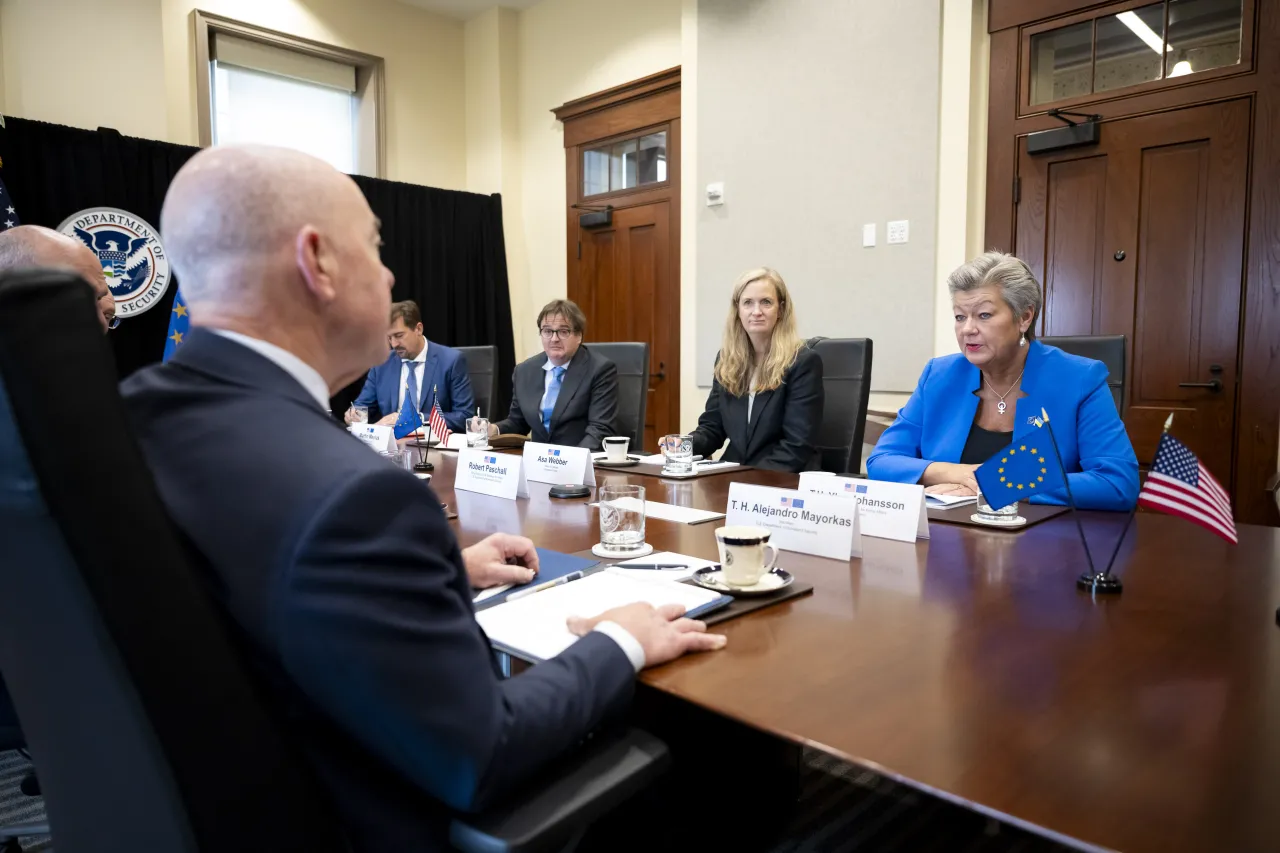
{"x": 553, "y": 392}
{"x": 413, "y": 382}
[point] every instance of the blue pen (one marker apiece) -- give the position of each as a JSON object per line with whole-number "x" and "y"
{"x": 572, "y": 576}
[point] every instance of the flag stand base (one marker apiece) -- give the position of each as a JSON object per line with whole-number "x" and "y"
{"x": 1100, "y": 582}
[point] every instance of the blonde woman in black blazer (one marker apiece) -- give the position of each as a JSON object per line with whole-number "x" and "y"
{"x": 766, "y": 398}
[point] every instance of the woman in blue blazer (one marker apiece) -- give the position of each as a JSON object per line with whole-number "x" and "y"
{"x": 967, "y": 407}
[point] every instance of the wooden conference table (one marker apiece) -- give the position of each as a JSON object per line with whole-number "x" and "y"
{"x": 969, "y": 665}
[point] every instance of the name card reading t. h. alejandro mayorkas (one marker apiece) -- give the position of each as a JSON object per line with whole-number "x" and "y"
{"x": 800, "y": 521}
{"x": 557, "y": 464}
{"x": 489, "y": 473}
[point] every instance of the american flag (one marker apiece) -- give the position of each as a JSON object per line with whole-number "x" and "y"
{"x": 1180, "y": 485}
{"x": 439, "y": 428}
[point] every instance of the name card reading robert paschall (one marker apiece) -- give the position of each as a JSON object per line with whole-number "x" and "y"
{"x": 489, "y": 473}
{"x": 800, "y": 521}
{"x": 886, "y": 510}
{"x": 557, "y": 464}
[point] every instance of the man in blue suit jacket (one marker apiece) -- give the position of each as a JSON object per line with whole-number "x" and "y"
{"x": 337, "y": 568}
{"x": 436, "y": 372}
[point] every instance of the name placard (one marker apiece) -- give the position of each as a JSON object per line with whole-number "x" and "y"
{"x": 380, "y": 438}
{"x": 498, "y": 474}
{"x": 557, "y": 464}
{"x": 801, "y": 521}
{"x": 886, "y": 510}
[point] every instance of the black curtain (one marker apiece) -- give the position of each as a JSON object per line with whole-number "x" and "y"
{"x": 445, "y": 247}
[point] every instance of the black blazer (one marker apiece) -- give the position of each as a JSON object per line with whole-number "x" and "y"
{"x": 352, "y": 601}
{"x": 783, "y": 424}
{"x": 585, "y": 410}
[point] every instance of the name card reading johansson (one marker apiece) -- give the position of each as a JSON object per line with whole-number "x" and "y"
{"x": 887, "y": 510}
{"x": 380, "y": 438}
{"x": 800, "y": 521}
{"x": 489, "y": 473}
{"x": 557, "y": 464}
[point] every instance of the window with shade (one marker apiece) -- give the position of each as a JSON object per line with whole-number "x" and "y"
{"x": 1135, "y": 45}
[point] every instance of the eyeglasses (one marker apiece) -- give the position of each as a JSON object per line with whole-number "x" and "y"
{"x": 113, "y": 323}
{"x": 548, "y": 334}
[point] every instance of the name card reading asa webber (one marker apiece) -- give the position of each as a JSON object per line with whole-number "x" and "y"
{"x": 885, "y": 510}
{"x": 380, "y": 438}
{"x": 557, "y": 464}
{"x": 800, "y": 521}
{"x": 498, "y": 474}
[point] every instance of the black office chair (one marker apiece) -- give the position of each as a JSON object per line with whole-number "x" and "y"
{"x": 632, "y": 360}
{"x": 11, "y": 738}
{"x": 482, "y": 368}
{"x": 846, "y": 387}
{"x": 147, "y": 730}
{"x": 1108, "y": 349}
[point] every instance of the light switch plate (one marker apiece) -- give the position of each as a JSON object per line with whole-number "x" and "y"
{"x": 715, "y": 194}
{"x": 897, "y": 231}
{"x": 868, "y": 235}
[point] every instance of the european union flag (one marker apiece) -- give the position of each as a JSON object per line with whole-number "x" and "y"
{"x": 1023, "y": 469}
{"x": 410, "y": 418}
{"x": 179, "y": 323}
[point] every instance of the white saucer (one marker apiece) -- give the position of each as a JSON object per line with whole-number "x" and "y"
{"x": 599, "y": 550}
{"x": 1011, "y": 521}
{"x": 771, "y": 581}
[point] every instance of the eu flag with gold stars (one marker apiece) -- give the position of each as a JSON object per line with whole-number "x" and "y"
{"x": 1026, "y": 468}
{"x": 179, "y": 323}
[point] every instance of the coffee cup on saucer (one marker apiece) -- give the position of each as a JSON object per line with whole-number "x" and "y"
{"x": 745, "y": 554}
{"x": 615, "y": 448}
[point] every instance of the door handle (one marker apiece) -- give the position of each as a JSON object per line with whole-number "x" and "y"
{"x": 1214, "y": 385}
{"x": 662, "y": 371}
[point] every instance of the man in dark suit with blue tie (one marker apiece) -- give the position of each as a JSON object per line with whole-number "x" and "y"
{"x": 337, "y": 568}
{"x": 430, "y": 373}
{"x": 566, "y": 394}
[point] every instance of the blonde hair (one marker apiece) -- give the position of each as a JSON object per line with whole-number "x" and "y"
{"x": 737, "y": 362}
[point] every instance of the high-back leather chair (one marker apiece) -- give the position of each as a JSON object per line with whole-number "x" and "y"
{"x": 482, "y": 369}
{"x": 632, "y": 360}
{"x": 1108, "y": 349}
{"x": 846, "y": 387}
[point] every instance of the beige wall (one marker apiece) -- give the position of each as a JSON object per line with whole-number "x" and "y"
{"x": 148, "y": 47}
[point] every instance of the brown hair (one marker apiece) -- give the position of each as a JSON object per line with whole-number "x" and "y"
{"x": 566, "y": 308}
{"x": 407, "y": 311}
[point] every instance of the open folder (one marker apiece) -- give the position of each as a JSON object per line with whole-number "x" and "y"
{"x": 535, "y": 627}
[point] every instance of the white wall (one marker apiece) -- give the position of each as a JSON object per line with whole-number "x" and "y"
{"x": 55, "y": 54}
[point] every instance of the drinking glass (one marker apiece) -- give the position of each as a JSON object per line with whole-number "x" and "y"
{"x": 996, "y": 516}
{"x": 677, "y": 450}
{"x": 361, "y": 414}
{"x": 621, "y": 517}
{"x": 477, "y": 431}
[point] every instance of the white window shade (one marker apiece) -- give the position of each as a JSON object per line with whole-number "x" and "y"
{"x": 280, "y": 62}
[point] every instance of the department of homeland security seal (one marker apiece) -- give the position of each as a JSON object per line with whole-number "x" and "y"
{"x": 133, "y": 260}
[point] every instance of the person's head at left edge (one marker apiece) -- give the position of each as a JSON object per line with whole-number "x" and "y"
{"x": 36, "y": 246}
{"x": 561, "y": 325}
{"x": 405, "y": 335}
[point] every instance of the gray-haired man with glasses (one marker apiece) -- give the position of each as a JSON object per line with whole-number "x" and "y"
{"x": 566, "y": 394}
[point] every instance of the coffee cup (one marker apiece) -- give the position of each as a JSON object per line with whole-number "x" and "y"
{"x": 615, "y": 448}
{"x": 745, "y": 554}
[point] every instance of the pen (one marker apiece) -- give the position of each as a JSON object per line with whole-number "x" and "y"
{"x": 650, "y": 566}
{"x": 572, "y": 576}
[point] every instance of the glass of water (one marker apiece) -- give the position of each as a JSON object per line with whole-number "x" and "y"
{"x": 996, "y": 516}
{"x": 477, "y": 431}
{"x": 359, "y": 414}
{"x": 621, "y": 517}
{"x": 677, "y": 450}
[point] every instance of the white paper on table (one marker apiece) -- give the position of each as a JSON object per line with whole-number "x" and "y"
{"x": 668, "y": 512}
{"x": 536, "y": 625}
{"x": 490, "y": 592}
{"x": 949, "y": 501}
{"x": 654, "y": 459}
{"x": 694, "y": 563}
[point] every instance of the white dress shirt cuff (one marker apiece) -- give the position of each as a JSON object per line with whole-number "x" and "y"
{"x": 629, "y": 644}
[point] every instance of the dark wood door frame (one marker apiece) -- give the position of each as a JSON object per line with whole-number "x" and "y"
{"x": 624, "y": 111}
{"x": 1258, "y": 402}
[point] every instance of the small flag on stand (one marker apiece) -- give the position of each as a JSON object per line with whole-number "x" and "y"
{"x": 410, "y": 418}
{"x": 1180, "y": 485}
{"x": 439, "y": 428}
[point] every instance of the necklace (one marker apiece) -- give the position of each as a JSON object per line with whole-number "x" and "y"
{"x": 1000, "y": 407}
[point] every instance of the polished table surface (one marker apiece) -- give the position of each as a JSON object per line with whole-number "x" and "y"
{"x": 970, "y": 666}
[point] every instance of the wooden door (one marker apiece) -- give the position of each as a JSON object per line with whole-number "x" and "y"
{"x": 1143, "y": 235}
{"x": 625, "y": 288}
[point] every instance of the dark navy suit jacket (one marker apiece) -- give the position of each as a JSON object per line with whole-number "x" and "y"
{"x": 352, "y": 599}
{"x": 585, "y": 410}
{"x": 445, "y": 372}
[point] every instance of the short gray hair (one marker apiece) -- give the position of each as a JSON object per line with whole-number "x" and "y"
{"x": 1017, "y": 283}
